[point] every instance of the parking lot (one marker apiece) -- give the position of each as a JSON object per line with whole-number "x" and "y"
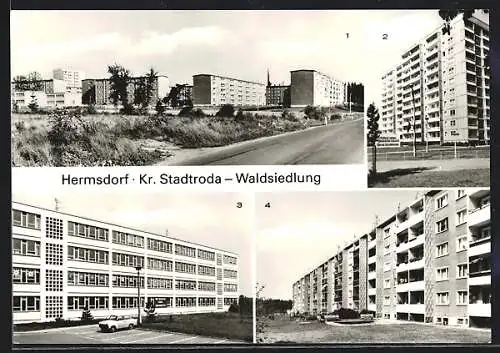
{"x": 92, "y": 335}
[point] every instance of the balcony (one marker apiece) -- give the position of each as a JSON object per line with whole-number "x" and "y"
{"x": 416, "y": 264}
{"x": 481, "y": 248}
{"x": 480, "y": 280}
{"x": 372, "y": 275}
{"x": 416, "y": 218}
{"x": 372, "y": 259}
{"x": 403, "y": 308}
{"x": 372, "y": 307}
{"x": 372, "y": 291}
{"x": 483, "y": 310}
{"x": 415, "y": 286}
{"x": 479, "y": 216}
{"x": 416, "y": 308}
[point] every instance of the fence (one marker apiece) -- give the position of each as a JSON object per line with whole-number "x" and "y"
{"x": 434, "y": 154}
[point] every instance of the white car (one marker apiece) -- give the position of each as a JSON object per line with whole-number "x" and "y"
{"x": 117, "y": 322}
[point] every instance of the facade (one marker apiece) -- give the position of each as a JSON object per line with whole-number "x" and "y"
{"x": 63, "y": 263}
{"x": 185, "y": 94}
{"x": 278, "y": 95}
{"x": 443, "y": 83}
{"x": 71, "y": 78}
{"x": 97, "y": 91}
{"x": 310, "y": 87}
{"x": 430, "y": 262}
{"x": 214, "y": 90}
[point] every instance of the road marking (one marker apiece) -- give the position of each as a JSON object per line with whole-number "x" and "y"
{"x": 150, "y": 338}
{"x": 184, "y": 339}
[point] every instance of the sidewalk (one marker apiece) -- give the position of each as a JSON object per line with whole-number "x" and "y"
{"x": 435, "y": 165}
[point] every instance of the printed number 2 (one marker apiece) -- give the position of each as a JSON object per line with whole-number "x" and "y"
{"x": 268, "y": 205}
{"x": 239, "y": 204}
{"x": 384, "y": 36}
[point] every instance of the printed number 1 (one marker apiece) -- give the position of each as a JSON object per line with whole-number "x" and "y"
{"x": 347, "y": 35}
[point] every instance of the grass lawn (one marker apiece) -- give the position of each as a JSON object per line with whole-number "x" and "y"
{"x": 284, "y": 331}
{"x": 223, "y": 325}
{"x": 420, "y": 177}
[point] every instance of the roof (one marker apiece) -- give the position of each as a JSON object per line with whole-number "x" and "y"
{"x": 125, "y": 227}
{"x": 231, "y": 78}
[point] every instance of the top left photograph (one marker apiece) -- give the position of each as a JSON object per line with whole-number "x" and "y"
{"x": 192, "y": 88}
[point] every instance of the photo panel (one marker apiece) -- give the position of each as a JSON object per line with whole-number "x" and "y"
{"x": 363, "y": 267}
{"x": 428, "y": 98}
{"x": 82, "y": 257}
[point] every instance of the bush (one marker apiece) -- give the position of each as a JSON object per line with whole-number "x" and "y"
{"x": 86, "y": 315}
{"x": 234, "y": 308}
{"x": 345, "y": 313}
{"x": 227, "y": 111}
{"x": 186, "y": 111}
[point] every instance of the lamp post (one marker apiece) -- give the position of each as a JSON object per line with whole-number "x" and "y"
{"x": 414, "y": 132}
{"x": 138, "y": 268}
{"x": 426, "y": 134}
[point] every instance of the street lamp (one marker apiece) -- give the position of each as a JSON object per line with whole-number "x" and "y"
{"x": 414, "y": 131}
{"x": 138, "y": 268}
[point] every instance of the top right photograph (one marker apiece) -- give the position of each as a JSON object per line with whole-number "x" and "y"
{"x": 428, "y": 100}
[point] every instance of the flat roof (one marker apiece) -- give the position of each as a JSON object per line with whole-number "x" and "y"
{"x": 231, "y": 78}
{"x": 126, "y": 227}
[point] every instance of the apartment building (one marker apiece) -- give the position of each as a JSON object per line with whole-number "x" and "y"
{"x": 278, "y": 95}
{"x": 311, "y": 87}
{"x": 429, "y": 262}
{"x": 439, "y": 92}
{"x": 63, "y": 263}
{"x": 215, "y": 90}
{"x": 97, "y": 91}
{"x": 72, "y": 79}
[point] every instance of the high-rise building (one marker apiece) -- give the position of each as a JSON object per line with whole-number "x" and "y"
{"x": 429, "y": 262}
{"x": 310, "y": 87}
{"x": 439, "y": 92}
{"x": 215, "y": 90}
{"x": 72, "y": 79}
{"x": 63, "y": 263}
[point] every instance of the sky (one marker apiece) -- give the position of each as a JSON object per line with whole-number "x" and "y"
{"x": 347, "y": 45}
{"x": 210, "y": 219}
{"x": 301, "y": 230}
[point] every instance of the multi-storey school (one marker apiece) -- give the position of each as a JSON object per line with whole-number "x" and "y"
{"x": 430, "y": 262}
{"x": 63, "y": 263}
{"x": 442, "y": 82}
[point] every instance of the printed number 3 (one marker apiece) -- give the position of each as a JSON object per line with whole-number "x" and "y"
{"x": 239, "y": 205}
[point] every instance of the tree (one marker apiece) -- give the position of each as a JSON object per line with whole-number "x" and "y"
{"x": 315, "y": 113}
{"x": 160, "y": 108}
{"x": 227, "y": 110}
{"x": 373, "y": 133}
{"x": 176, "y": 98}
{"x": 144, "y": 90}
{"x": 30, "y": 82}
{"x": 120, "y": 78}
{"x": 86, "y": 315}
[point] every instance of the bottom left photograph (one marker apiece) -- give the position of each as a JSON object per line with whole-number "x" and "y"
{"x": 125, "y": 267}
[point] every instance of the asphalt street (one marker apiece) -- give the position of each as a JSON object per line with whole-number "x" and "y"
{"x": 337, "y": 143}
{"x": 92, "y": 335}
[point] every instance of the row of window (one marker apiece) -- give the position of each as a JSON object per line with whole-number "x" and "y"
{"x": 230, "y": 260}
{"x": 184, "y": 250}
{"x": 87, "y": 231}
{"x": 128, "y": 239}
{"x": 25, "y": 219}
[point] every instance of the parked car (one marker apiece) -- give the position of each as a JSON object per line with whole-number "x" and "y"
{"x": 117, "y": 322}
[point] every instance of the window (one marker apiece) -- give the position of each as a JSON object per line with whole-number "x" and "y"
{"x": 442, "y": 225}
{"x": 461, "y": 217}
{"x": 442, "y": 274}
{"x": 25, "y": 303}
{"x": 53, "y": 254}
{"x": 206, "y": 286}
{"x": 462, "y": 243}
{"x": 206, "y": 301}
{"x": 387, "y": 300}
{"x": 231, "y": 260}
{"x": 452, "y": 112}
{"x": 442, "y": 201}
{"x": 442, "y": 249}
{"x": 53, "y": 280}
{"x": 128, "y": 239}
{"x": 124, "y": 281}
{"x": 230, "y": 287}
{"x": 25, "y": 275}
{"x": 206, "y": 270}
{"x": 229, "y": 301}
{"x": 183, "y": 250}
{"x": 443, "y": 298}
{"x": 92, "y": 303}
{"x": 206, "y": 255}
{"x": 126, "y": 302}
{"x": 485, "y": 232}
{"x": 87, "y": 279}
{"x": 387, "y": 283}
{"x": 159, "y": 264}
{"x": 230, "y": 274}
{"x": 53, "y": 228}
{"x": 185, "y": 285}
{"x": 462, "y": 298}
{"x": 219, "y": 260}
{"x": 460, "y": 193}
{"x": 159, "y": 245}
{"x": 159, "y": 283}
{"x": 452, "y": 122}
{"x": 87, "y": 231}
{"x": 87, "y": 255}
{"x": 25, "y": 219}
{"x": 161, "y": 302}
{"x": 185, "y": 301}
{"x": 183, "y": 267}
{"x": 120, "y": 259}
{"x": 25, "y": 247}
{"x": 462, "y": 271}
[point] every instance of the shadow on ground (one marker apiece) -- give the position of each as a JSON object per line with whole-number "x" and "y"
{"x": 385, "y": 177}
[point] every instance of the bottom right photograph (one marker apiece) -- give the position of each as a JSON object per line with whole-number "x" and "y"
{"x": 376, "y": 266}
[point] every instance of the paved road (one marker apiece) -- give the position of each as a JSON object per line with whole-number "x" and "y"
{"x": 339, "y": 143}
{"x": 92, "y": 335}
{"x": 436, "y": 165}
